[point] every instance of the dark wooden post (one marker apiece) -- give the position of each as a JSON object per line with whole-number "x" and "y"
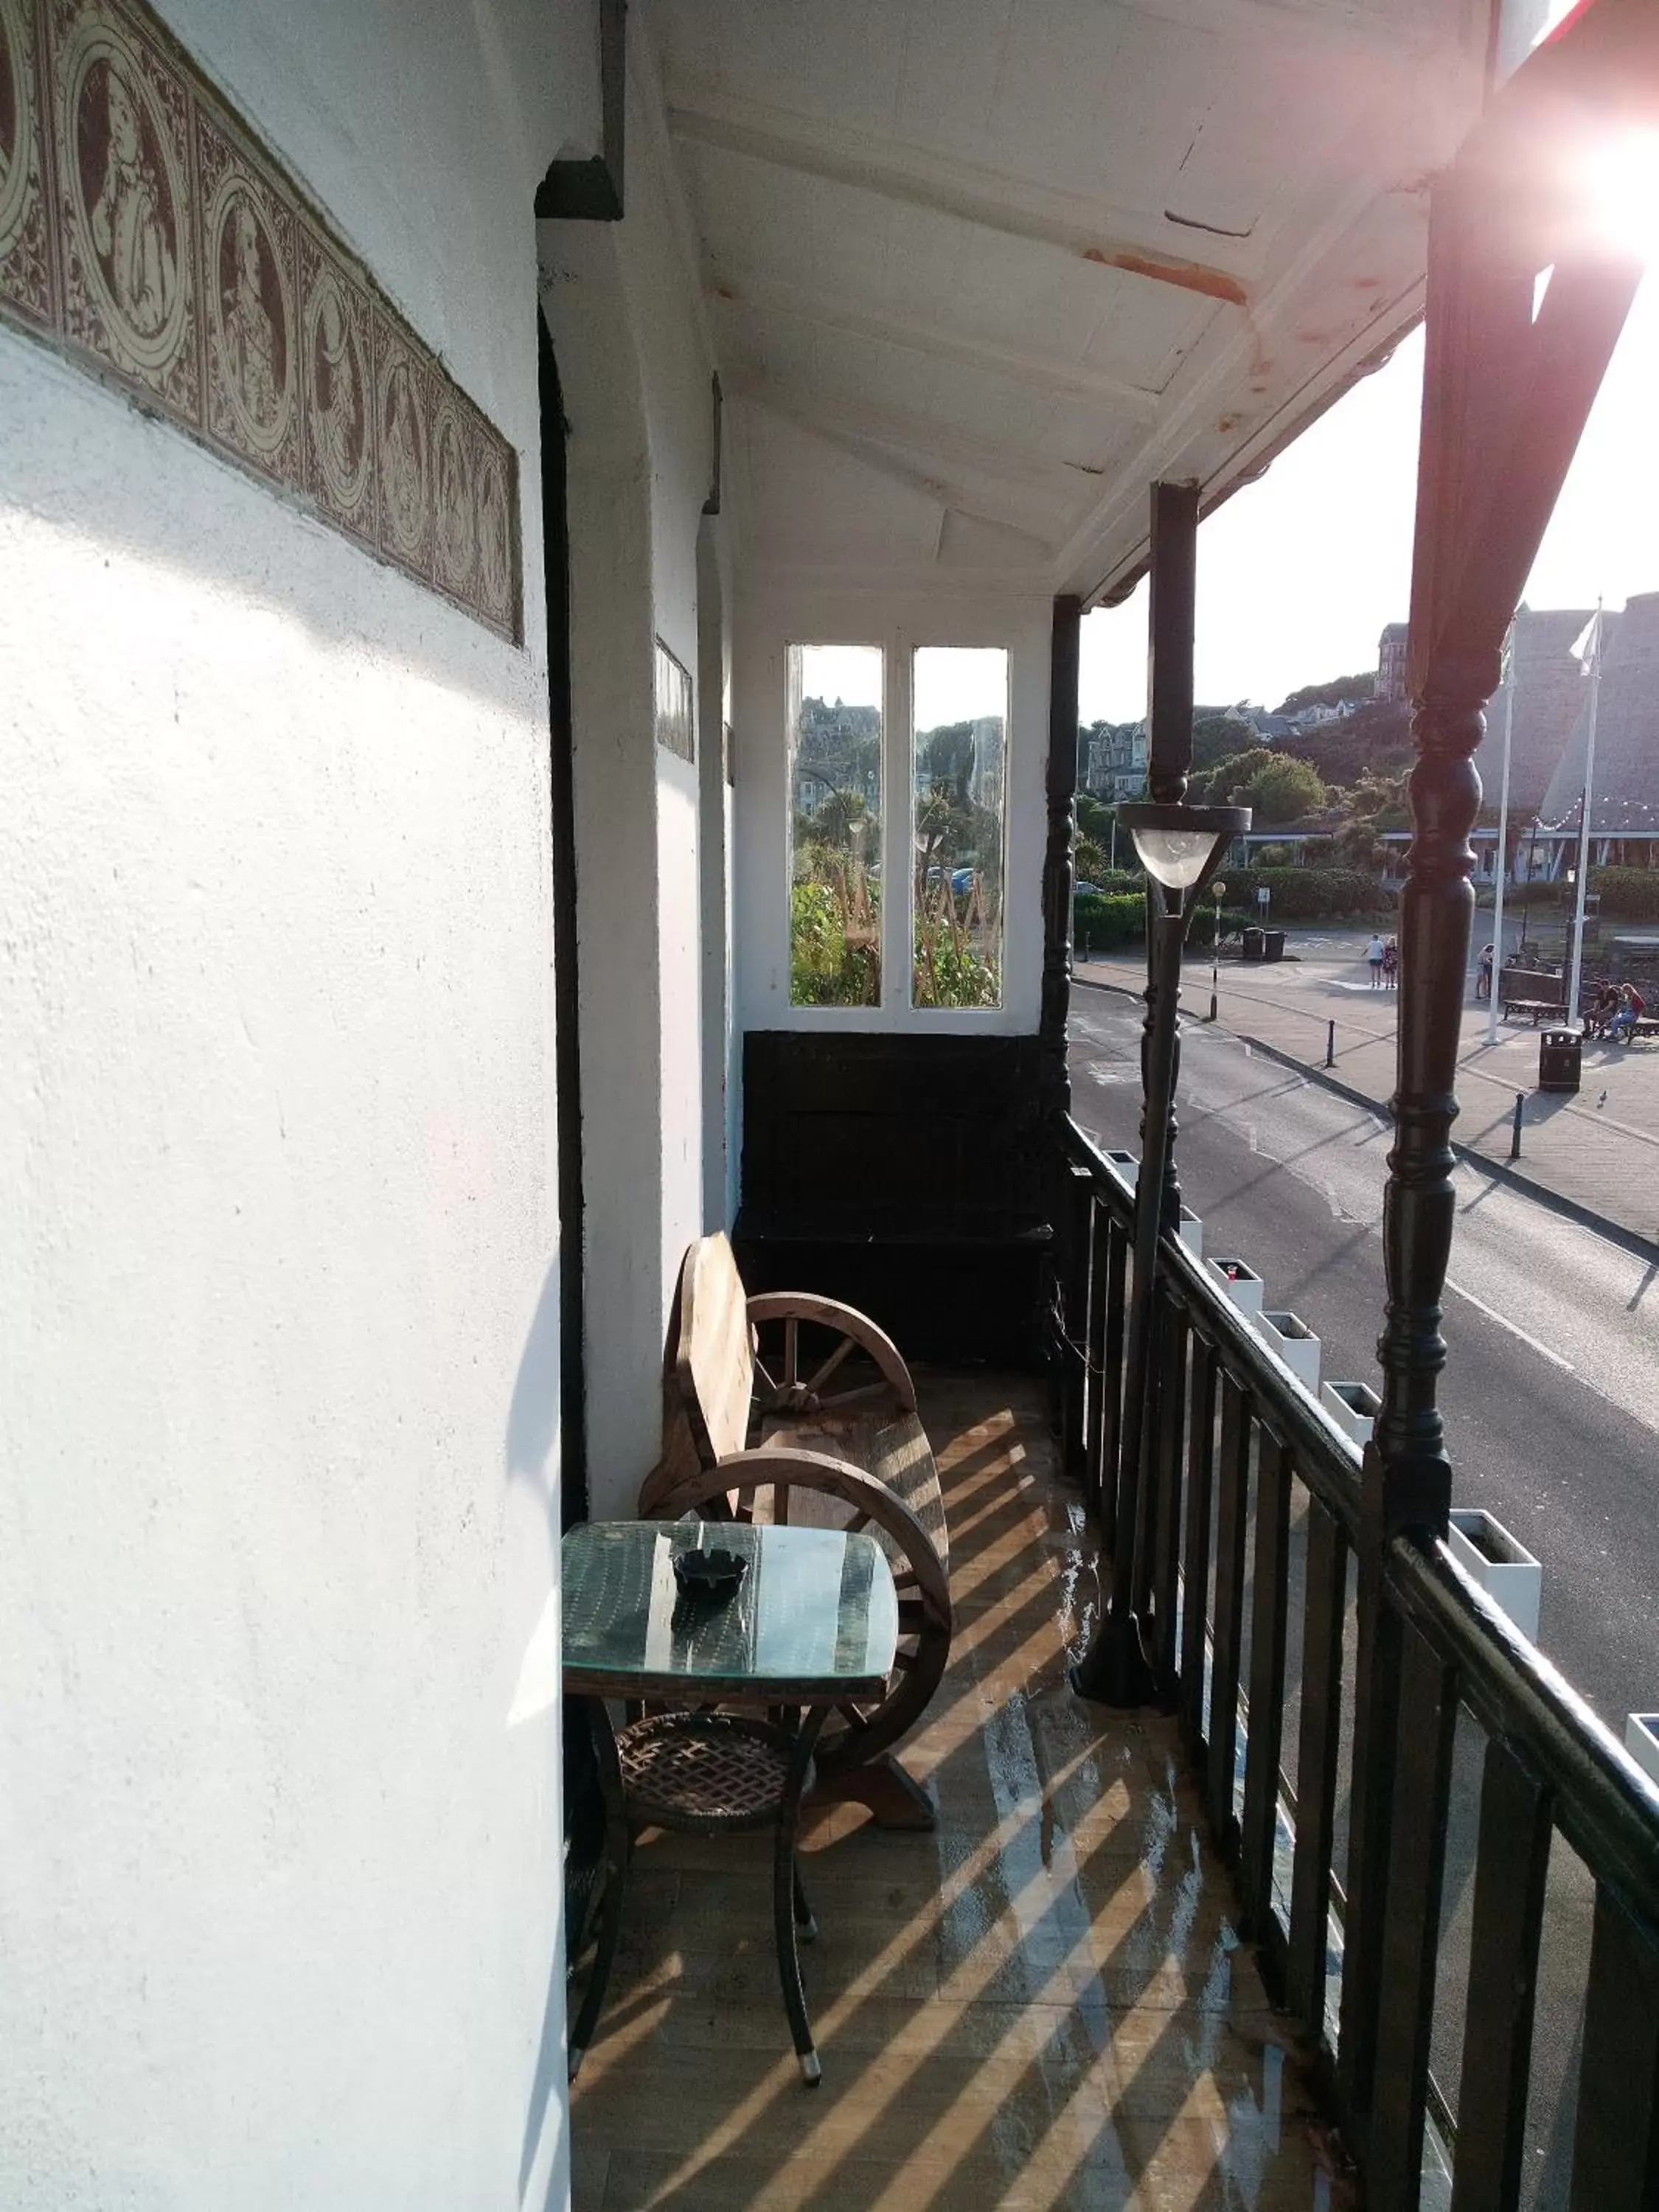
{"x": 1055, "y": 1084}
{"x": 1173, "y": 594}
{"x": 1057, "y": 865}
{"x": 1172, "y": 597}
{"x": 1505, "y": 398}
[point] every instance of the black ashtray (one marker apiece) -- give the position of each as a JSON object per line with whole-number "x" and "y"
{"x": 710, "y": 1575}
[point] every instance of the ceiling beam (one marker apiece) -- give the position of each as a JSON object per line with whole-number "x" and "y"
{"x": 952, "y": 498}
{"x": 702, "y": 115}
{"x": 918, "y": 434}
{"x": 767, "y": 296}
{"x": 1007, "y": 501}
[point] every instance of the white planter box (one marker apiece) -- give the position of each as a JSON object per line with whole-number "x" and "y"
{"x": 1641, "y": 1742}
{"x": 1502, "y": 1566}
{"x": 1353, "y": 1407}
{"x": 1192, "y": 1232}
{"x": 1243, "y": 1285}
{"x": 1289, "y": 1336}
{"x": 1128, "y": 1165}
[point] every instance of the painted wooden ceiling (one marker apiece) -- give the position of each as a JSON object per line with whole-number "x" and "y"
{"x": 979, "y": 270}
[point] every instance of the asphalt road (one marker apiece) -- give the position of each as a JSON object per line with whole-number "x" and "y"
{"x": 1551, "y": 1385}
{"x": 1551, "y": 1394}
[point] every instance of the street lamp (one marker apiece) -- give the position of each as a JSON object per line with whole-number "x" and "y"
{"x": 1181, "y": 848}
{"x": 1217, "y": 892}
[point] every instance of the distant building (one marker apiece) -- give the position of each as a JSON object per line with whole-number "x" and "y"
{"x": 1549, "y": 693}
{"x": 1117, "y": 763}
{"x": 1625, "y": 801}
{"x": 1391, "y": 652}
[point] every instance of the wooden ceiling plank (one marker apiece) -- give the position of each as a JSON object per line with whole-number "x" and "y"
{"x": 769, "y": 295}
{"x": 1136, "y": 245}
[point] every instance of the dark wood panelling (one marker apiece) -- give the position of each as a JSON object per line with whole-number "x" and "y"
{"x": 900, "y": 1172}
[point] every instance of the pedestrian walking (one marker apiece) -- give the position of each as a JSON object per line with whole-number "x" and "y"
{"x": 1374, "y": 953}
{"x": 1390, "y": 965}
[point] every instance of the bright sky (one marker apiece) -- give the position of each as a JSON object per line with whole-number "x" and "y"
{"x": 1298, "y": 573}
{"x": 952, "y": 683}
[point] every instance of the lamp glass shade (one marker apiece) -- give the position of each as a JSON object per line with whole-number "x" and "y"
{"x": 1176, "y": 858}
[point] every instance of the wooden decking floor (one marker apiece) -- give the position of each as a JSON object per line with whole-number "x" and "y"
{"x": 1044, "y": 2004}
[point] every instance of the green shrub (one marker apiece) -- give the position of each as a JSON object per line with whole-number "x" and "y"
{"x": 1105, "y": 923}
{"x": 1627, "y": 894}
{"x": 824, "y": 969}
{"x": 1310, "y": 894}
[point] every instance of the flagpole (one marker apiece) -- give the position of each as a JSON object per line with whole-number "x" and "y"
{"x": 1503, "y": 839}
{"x": 1575, "y": 983}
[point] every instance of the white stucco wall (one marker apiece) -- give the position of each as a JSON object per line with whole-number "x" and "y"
{"x": 280, "y": 1832}
{"x": 771, "y": 615}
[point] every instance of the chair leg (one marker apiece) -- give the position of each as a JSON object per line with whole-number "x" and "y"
{"x": 788, "y": 1897}
{"x": 806, "y": 1928}
{"x": 618, "y": 1850}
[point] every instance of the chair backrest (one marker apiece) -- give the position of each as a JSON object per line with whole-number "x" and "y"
{"x": 714, "y": 1357}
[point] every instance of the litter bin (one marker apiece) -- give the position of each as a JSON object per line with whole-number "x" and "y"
{"x": 1273, "y": 944}
{"x": 1254, "y": 943}
{"x": 1560, "y": 1056}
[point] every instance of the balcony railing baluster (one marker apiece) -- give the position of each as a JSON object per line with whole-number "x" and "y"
{"x": 1269, "y": 1618}
{"x": 1195, "y": 1548}
{"x": 1111, "y": 1396}
{"x": 1511, "y": 1865}
{"x": 1411, "y": 1921}
{"x": 1615, "y": 2166}
{"x": 1078, "y": 1200}
{"x": 1095, "y": 1491}
{"x": 1232, "y": 1512}
{"x": 1324, "y": 1609}
{"x": 1168, "y": 1454}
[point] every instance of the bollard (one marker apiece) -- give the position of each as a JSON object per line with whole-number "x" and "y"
{"x": 1330, "y": 1044}
{"x": 1515, "y": 1132}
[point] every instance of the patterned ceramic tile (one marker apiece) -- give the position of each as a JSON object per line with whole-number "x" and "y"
{"x": 455, "y": 515}
{"x": 337, "y": 383}
{"x": 142, "y": 225}
{"x": 497, "y": 497}
{"x": 121, "y": 112}
{"x": 28, "y": 270}
{"x": 403, "y": 421}
{"x": 250, "y": 305}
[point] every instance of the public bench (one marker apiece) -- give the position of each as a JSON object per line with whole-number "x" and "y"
{"x": 1534, "y": 992}
{"x": 786, "y": 1407}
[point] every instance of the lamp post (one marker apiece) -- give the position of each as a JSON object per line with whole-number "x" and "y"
{"x": 1179, "y": 847}
{"x": 1217, "y": 892}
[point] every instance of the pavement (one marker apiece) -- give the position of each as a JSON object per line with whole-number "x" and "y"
{"x": 1595, "y": 1155}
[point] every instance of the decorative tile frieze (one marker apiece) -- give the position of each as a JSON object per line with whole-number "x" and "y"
{"x": 29, "y": 272}
{"x": 146, "y": 231}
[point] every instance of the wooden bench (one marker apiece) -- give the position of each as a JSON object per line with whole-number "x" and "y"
{"x": 789, "y": 1407}
{"x": 1533, "y": 992}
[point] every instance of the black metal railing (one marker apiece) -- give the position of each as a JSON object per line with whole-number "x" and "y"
{"x": 1253, "y": 1600}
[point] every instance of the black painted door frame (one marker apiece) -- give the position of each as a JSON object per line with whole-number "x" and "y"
{"x": 555, "y": 539}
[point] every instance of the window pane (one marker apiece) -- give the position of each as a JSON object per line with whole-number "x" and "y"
{"x": 835, "y": 825}
{"x": 958, "y": 755}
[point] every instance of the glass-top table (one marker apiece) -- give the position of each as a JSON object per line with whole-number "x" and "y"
{"x": 813, "y": 1625}
{"x": 815, "y": 1618}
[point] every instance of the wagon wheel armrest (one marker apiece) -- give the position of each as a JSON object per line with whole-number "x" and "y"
{"x": 846, "y": 1320}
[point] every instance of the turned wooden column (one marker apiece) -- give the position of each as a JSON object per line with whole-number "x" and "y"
{"x": 1172, "y": 600}
{"x": 1506, "y": 391}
